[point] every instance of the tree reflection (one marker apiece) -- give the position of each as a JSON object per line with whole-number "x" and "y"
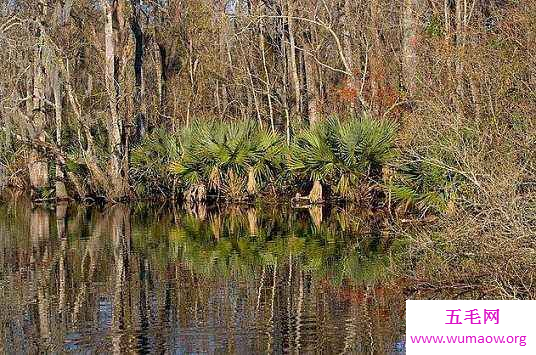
{"x": 234, "y": 279}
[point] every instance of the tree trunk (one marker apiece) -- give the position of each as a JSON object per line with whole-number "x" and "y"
{"x": 347, "y": 33}
{"x": 313, "y": 92}
{"x": 139, "y": 112}
{"x": 61, "y": 191}
{"x": 285, "y": 76}
{"x": 353, "y": 63}
{"x": 377, "y": 67}
{"x": 410, "y": 40}
{"x": 293, "y": 65}
{"x": 118, "y": 179}
{"x": 267, "y": 79}
{"x": 37, "y": 163}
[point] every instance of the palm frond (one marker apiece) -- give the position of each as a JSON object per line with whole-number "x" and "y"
{"x": 343, "y": 153}
{"x": 227, "y": 156}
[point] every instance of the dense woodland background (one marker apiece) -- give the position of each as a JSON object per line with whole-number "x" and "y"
{"x": 86, "y": 85}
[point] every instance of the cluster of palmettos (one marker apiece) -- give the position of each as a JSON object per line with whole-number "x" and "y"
{"x": 355, "y": 159}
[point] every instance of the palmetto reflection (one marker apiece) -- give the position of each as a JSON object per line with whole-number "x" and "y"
{"x": 234, "y": 279}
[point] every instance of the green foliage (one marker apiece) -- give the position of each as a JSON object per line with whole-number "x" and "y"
{"x": 426, "y": 183}
{"x": 235, "y": 159}
{"x": 71, "y": 165}
{"x": 434, "y": 27}
{"x": 43, "y": 193}
{"x": 224, "y": 244}
{"x": 343, "y": 154}
{"x": 149, "y": 171}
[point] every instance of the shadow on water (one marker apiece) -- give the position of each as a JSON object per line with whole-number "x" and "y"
{"x": 195, "y": 280}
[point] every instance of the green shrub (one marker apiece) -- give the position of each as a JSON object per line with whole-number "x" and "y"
{"x": 426, "y": 183}
{"x": 149, "y": 163}
{"x": 343, "y": 154}
{"x": 232, "y": 159}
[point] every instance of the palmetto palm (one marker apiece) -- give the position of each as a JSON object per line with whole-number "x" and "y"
{"x": 426, "y": 183}
{"x": 234, "y": 159}
{"x": 343, "y": 153}
{"x": 149, "y": 162}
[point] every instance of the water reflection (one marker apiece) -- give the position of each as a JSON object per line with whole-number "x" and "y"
{"x": 195, "y": 280}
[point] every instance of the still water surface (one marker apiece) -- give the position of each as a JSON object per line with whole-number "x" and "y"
{"x": 221, "y": 280}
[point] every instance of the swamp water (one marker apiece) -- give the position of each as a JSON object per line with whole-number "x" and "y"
{"x": 209, "y": 280}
